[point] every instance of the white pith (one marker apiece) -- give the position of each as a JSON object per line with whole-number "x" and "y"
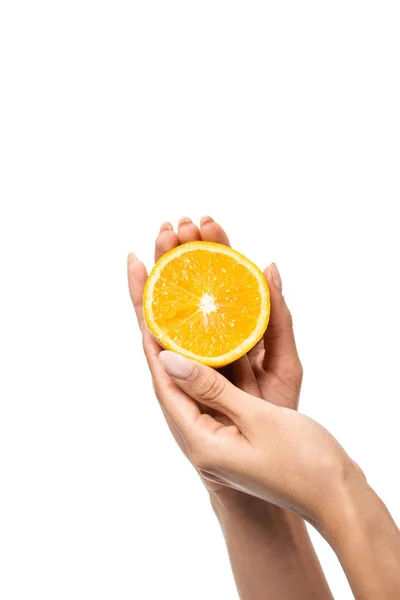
{"x": 207, "y": 305}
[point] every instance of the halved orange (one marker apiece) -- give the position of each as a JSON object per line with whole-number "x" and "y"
{"x": 206, "y": 301}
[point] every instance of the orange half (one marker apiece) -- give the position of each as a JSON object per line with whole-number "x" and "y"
{"x": 206, "y": 301}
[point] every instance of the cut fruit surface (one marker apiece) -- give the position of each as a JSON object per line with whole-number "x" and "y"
{"x": 206, "y": 301}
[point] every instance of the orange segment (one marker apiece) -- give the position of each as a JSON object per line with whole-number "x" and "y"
{"x": 206, "y": 301}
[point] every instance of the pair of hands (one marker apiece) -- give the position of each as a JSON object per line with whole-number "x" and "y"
{"x": 240, "y": 427}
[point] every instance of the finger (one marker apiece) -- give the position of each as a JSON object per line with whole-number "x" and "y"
{"x": 244, "y": 378}
{"x": 241, "y": 374}
{"x": 175, "y": 432}
{"x": 181, "y": 409}
{"x": 210, "y": 231}
{"x": 279, "y": 342}
{"x": 210, "y": 388}
{"x": 166, "y": 240}
{"x": 256, "y": 357}
{"x": 187, "y": 231}
{"x": 137, "y": 276}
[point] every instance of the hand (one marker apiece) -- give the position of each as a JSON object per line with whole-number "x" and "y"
{"x": 272, "y": 370}
{"x": 269, "y": 548}
{"x": 270, "y": 452}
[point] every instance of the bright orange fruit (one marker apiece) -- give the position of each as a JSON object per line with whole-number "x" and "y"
{"x": 206, "y": 301}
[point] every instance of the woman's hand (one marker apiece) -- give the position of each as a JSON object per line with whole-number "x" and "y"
{"x": 250, "y": 445}
{"x": 269, "y": 548}
{"x": 272, "y": 370}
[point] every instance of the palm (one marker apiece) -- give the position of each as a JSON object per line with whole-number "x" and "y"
{"x": 268, "y": 371}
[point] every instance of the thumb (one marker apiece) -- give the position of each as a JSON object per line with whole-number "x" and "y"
{"x": 279, "y": 342}
{"x": 210, "y": 388}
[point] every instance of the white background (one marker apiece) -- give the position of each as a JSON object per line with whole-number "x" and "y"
{"x": 281, "y": 120}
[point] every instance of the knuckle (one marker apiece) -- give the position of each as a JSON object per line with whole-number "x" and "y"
{"x": 298, "y": 371}
{"x": 161, "y": 388}
{"x": 291, "y": 372}
{"x": 358, "y": 469}
{"x": 213, "y": 388}
{"x": 268, "y": 420}
{"x": 289, "y": 319}
{"x": 163, "y": 243}
{"x": 200, "y": 459}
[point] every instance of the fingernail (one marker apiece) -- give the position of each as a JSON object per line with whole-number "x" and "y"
{"x": 166, "y": 225}
{"x": 131, "y": 256}
{"x": 276, "y": 277}
{"x": 176, "y": 365}
{"x": 206, "y": 219}
{"x": 184, "y": 220}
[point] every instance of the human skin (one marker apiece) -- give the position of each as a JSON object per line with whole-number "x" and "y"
{"x": 267, "y": 451}
{"x": 269, "y": 548}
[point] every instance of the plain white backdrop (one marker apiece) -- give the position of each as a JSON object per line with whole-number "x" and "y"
{"x": 279, "y": 119}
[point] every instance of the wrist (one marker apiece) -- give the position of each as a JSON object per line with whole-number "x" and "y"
{"x": 349, "y": 504}
{"x": 357, "y": 515}
{"x": 231, "y": 505}
{"x": 366, "y": 541}
{"x": 227, "y": 500}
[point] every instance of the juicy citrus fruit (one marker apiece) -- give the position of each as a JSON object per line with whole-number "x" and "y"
{"x": 206, "y": 301}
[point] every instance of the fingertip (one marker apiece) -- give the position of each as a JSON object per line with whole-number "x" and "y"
{"x": 166, "y": 226}
{"x": 131, "y": 257}
{"x": 206, "y": 219}
{"x": 267, "y": 272}
{"x": 184, "y": 220}
{"x": 275, "y": 277}
{"x": 187, "y": 231}
{"x": 136, "y": 268}
{"x": 166, "y": 241}
{"x": 132, "y": 260}
{"x": 211, "y": 231}
{"x": 176, "y": 365}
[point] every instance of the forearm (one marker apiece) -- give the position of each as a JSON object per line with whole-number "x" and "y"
{"x": 271, "y": 554}
{"x": 367, "y": 543}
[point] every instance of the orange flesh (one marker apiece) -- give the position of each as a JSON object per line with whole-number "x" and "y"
{"x": 206, "y": 302}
